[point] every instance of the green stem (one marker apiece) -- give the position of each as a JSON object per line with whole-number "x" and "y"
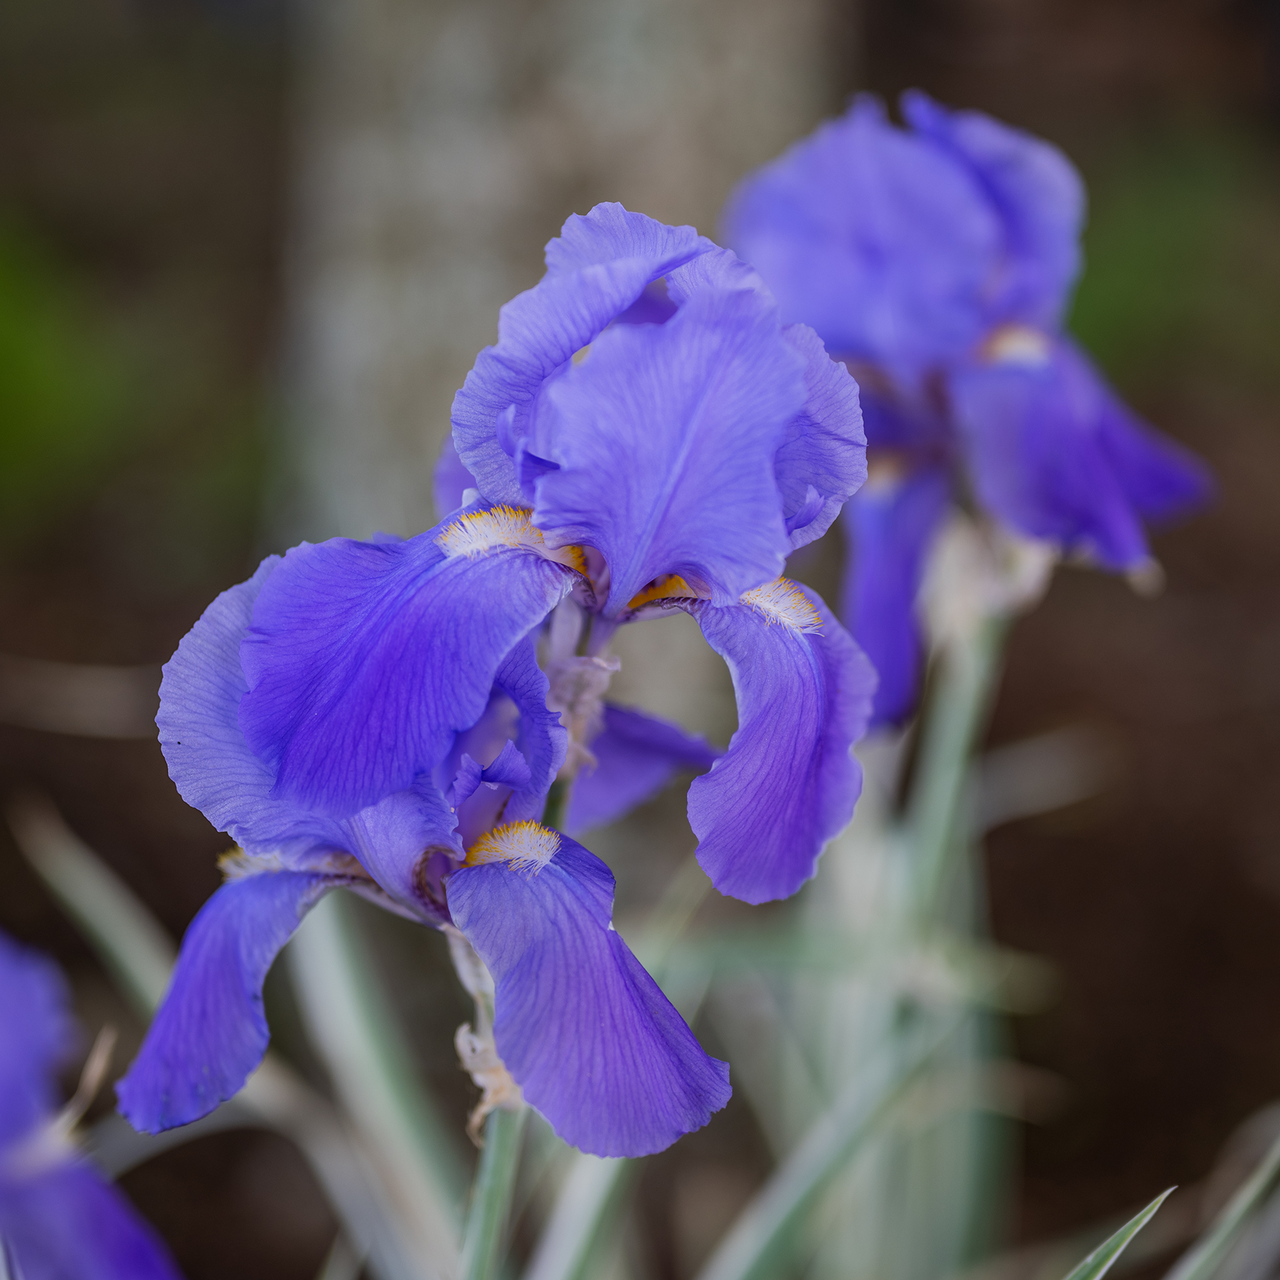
{"x": 491, "y": 1194}
{"x": 557, "y": 802}
{"x": 967, "y": 674}
{"x": 356, "y": 1032}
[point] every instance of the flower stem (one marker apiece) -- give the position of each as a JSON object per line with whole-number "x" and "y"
{"x": 968, "y": 671}
{"x": 557, "y": 802}
{"x": 491, "y": 1194}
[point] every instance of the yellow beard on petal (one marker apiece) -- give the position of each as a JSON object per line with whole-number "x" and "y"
{"x": 670, "y": 586}
{"x": 782, "y": 601}
{"x": 524, "y": 846}
{"x": 510, "y": 527}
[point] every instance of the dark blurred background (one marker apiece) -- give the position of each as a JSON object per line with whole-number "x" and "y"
{"x": 178, "y": 187}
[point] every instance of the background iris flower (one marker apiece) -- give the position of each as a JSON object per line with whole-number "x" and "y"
{"x": 373, "y": 716}
{"x": 938, "y": 262}
{"x": 58, "y": 1217}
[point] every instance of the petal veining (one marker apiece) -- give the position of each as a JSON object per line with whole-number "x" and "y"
{"x": 665, "y": 440}
{"x": 210, "y": 1031}
{"x": 582, "y": 1028}
{"x": 789, "y": 780}
{"x": 365, "y": 660}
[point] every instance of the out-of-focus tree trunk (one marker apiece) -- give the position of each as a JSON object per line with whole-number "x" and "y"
{"x": 443, "y": 142}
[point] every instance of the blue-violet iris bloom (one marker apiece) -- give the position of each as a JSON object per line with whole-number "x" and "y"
{"x": 645, "y": 402}
{"x": 938, "y": 262}
{"x": 374, "y": 715}
{"x": 59, "y": 1219}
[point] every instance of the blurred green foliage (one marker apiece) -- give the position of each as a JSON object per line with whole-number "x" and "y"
{"x": 67, "y": 386}
{"x": 125, "y": 425}
{"x": 1182, "y": 259}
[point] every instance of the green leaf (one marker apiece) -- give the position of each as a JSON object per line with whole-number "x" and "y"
{"x": 350, "y": 1024}
{"x": 1099, "y": 1262}
{"x": 484, "y": 1245}
{"x": 587, "y": 1197}
{"x": 1206, "y": 1255}
{"x": 134, "y": 947}
{"x": 68, "y": 385}
{"x": 765, "y": 1225}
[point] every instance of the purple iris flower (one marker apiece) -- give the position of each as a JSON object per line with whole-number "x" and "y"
{"x": 59, "y": 1219}
{"x": 645, "y": 402}
{"x": 535, "y": 905}
{"x": 374, "y": 716}
{"x": 938, "y": 262}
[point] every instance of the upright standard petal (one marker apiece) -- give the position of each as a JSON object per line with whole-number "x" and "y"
{"x": 664, "y": 440}
{"x": 210, "y": 1031}
{"x": 36, "y": 1034}
{"x": 596, "y": 269}
{"x": 541, "y": 738}
{"x": 823, "y": 459}
{"x": 1039, "y": 196}
{"x": 881, "y": 240}
{"x": 788, "y": 781}
{"x": 610, "y": 233}
{"x": 501, "y": 769}
{"x": 364, "y": 660}
{"x": 66, "y": 1223}
{"x": 636, "y": 756}
{"x": 582, "y": 1028}
{"x": 889, "y": 526}
{"x": 1054, "y": 455}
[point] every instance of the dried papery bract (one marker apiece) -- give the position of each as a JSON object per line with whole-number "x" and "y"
{"x": 477, "y": 1052}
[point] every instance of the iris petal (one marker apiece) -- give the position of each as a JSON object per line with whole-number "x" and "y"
{"x": 38, "y": 1033}
{"x": 68, "y": 1222}
{"x": 599, "y": 265}
{"x": 450, "y": 480}
{"x": 394, "y": 838}
{"x": 583, "y": 1029}
{"x": 611, "y": 233}
{"x": 882, "y": 240}
{"x": 788, "y": 781}
{"x": 823, "y": 459}
{"x": 1054, "y": 455}
{"x": 200, "y": 734}
{"x": 216, "y": 772}
{"x": 210, "y": 1031}
{"x": 365, "y": 659}
{"x": 636, "y": 756}
{"x": 1040, "y": 199}
{"x": 542, "y": 739}
{"x": 890, "y": 525}
{"x": 665, "y": 438}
